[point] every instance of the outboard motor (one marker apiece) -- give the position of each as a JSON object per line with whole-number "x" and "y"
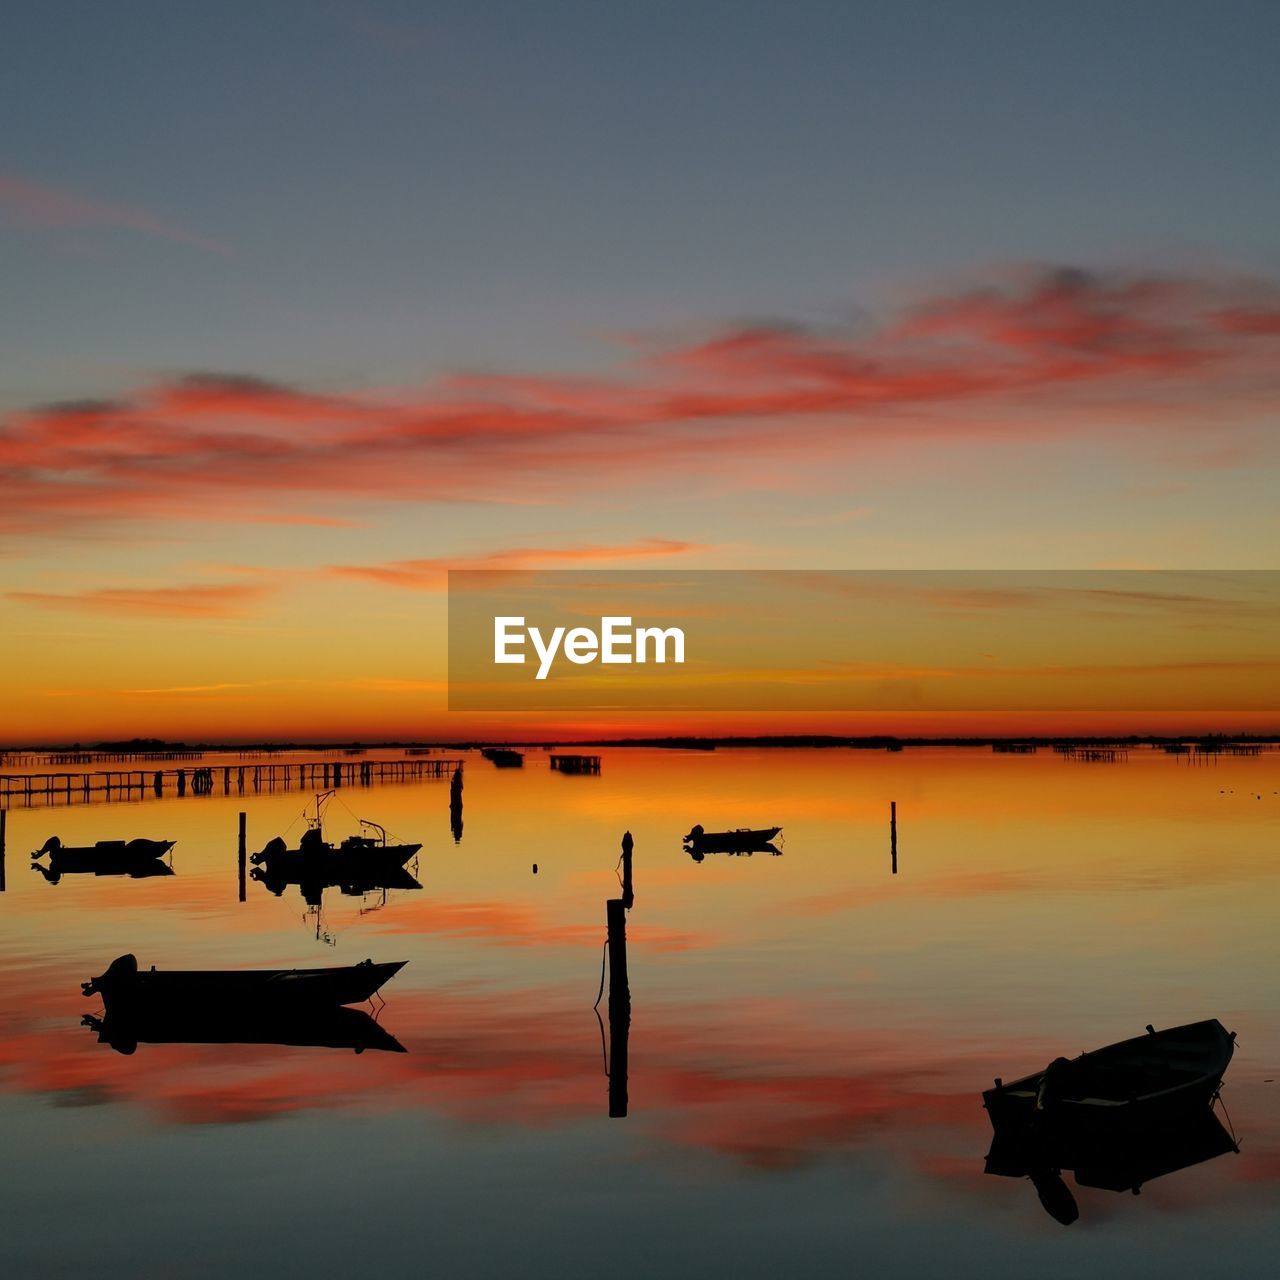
{"x": 1055, "y": 1196}
{"x": 119, "y": 970}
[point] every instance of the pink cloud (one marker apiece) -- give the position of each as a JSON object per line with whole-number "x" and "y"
{"x": 32, "y": 204}
{"x": 1036, "y": 355}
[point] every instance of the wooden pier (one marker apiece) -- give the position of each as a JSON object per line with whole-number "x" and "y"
{"x": 29, "y": 789}
{"x": 575, "y": 764}
{"x": 1014, "y": 748}
{"x": 1096, "y": 754}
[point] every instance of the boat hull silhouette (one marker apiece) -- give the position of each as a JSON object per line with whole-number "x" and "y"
{"x": 126, "y": 989}
{"x": 740, "y": 841}
{"x": 1135, "y": 1082}
{"x": 336, "y": 1027}
{"x": 116, "y": 851}
{"x": 348, "y": 861}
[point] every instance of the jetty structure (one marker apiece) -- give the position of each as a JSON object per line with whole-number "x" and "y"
{"x": 71, "y": 787}
{"x": 575, "y": 764}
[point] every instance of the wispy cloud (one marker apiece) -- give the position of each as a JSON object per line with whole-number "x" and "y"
{"x": 200, "y": 601}
{"x": 34, "y": 205}
{"x": 432, "y": 574}
{"x": 1030, "y": 356}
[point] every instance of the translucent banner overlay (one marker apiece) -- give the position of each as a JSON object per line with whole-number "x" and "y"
{"x": 792, "y": 641}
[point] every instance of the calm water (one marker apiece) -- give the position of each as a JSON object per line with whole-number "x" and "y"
{"x": 810, "y": 1034}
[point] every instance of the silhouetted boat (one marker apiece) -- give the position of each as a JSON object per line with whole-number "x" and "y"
{"x": 503, "y": 757}
{"x": 335, "y": 1027}
{"x": 742, "y": 840}
{"x": 126, "y": 988}
{"x": 1133, "y": 1082}
{"x": 316, "y": 857}
{"x": 114, "y": 850}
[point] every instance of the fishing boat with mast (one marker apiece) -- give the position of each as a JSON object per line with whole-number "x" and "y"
{"x": 355, "y": 858}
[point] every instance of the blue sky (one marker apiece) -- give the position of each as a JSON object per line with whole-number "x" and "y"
{"x": 408, "y": 188}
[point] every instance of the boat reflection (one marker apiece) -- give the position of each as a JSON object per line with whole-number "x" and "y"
{"x": 352, "y": 884}
{"x": 1124, "y": 1160}
{"x": 329, "y": 1028}
{"x": 762, "y": 846}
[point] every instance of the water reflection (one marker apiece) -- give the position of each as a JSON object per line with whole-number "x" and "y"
{"x": 332, "y": 1028}
{"x": 69, "y": 864}
{"x": 809, "y": 1034}
{"x": 1121, "y": 1159}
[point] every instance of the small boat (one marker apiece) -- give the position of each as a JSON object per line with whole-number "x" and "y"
{"x": 107, "y": 850}
{"x": 334, "y": 1027}
{"x": 316, "y": 858}
{"x": 743, "y": 840}
{"x": 126, "y": 989}
{"x": 1135, "y": 1082}
{"x": 503, "y": 757}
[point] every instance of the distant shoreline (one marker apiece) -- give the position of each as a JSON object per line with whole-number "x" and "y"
{"x": 872, "y": 742}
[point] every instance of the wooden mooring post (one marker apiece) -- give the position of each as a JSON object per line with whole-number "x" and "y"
{"x": 242, "y": 855}
{"x": 4, "y": 818}
{"x": 893, "y": 835}
{"x": 455, "y": 806}
{"x": 619, "y": 987}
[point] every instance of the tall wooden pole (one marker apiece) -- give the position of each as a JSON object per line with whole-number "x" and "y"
{"x": 242, "y": 856}
{"x": 893, "y": 834}
{"x": 4, "y": 818}
{"x": 619, "y": 987}
{"x": 619, "y": 1007}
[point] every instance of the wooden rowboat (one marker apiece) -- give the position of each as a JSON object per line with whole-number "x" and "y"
{"x": 1135, "y": 1082}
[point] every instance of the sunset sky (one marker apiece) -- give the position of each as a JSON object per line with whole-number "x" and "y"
{"x": 304, "y": 304}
